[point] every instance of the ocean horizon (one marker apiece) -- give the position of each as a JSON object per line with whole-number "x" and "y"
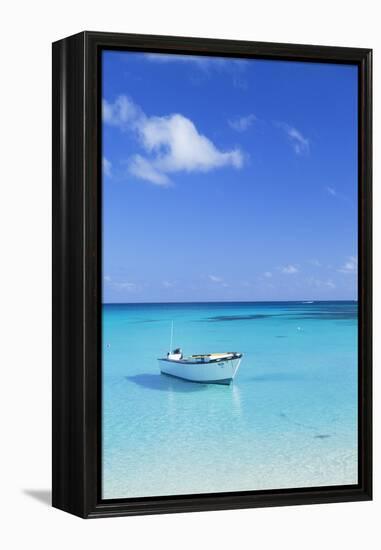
{"x": 305, "y": 301}
{"x": 288, "y": 420}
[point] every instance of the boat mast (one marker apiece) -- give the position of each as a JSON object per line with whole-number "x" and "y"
{"x": 170, "y": 346}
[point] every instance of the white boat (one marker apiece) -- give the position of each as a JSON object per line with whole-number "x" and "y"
{"x": 209, "y": 368}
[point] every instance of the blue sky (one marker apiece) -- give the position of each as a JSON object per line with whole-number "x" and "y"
{"x": 228, "y": 179}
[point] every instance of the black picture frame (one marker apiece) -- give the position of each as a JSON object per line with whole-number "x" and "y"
{"x": 77, "y": 267}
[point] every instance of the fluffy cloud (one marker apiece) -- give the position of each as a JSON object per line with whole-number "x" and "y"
{"x": 172, "y": 143}
{"x": 242, "y": 123}
{"x": 122, "y": 113}
{"x": 145, "y": 169}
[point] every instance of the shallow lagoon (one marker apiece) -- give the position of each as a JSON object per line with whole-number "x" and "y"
{"x": 289, "y": 419}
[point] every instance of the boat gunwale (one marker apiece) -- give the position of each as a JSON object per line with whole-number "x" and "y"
{"x": 208, "y": 362}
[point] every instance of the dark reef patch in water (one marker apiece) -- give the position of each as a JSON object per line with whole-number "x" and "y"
{"x": 324, "y": 316}
{"x": 239, "y": 317}
{"x": 321, "y": 436}
{"x": 331, "y": 312}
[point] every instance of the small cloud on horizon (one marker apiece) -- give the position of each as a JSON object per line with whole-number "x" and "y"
{"x": 120, "y": 285}
{"x": 126, "y": 285}
{"x": 330, "y": 284}
{"x": 321, "y": 284}
{"x": 315, "y": 262}
{"x": 289, "y": 269}
{"x": 215, "y": 279}
{"x": 350, "y": 266}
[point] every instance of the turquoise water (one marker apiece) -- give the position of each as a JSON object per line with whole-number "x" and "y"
{"x": 288, "y": 420}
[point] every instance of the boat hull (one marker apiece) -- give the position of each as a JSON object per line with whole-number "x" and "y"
{"x": 222, "y": 372}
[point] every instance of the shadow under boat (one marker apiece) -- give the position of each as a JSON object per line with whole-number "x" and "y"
{"x": 162, "y": 382}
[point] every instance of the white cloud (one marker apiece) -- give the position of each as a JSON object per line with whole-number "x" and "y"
{"x": 242, "y": 123}
{"x": 268, "y": 274}
{"x": 202, "y": 62}
{"x": 240, "y": 82}
{"x": 206, "y": 65}
{"x": 122, "y": 113}
{"x": 106, "y": 166}
{"x": 289, "y": 269}
{"x": 168, "y": 284}
{"x": 319, "y": 283}
{"x": 215, "y": 279}
{"x": 145, "y": 169}
{"x": 126, "y": 285}
{"x": 198, "y": 60}
{"x": 218, "y": 281}
{"x": 330, "y": 284}
{"x": 172, "y": 143}
{"x": 179, "y": 146}
{"x": 315, "y": 262}
{"x": 331, "y": 191}
{"x": 299, "y": 143}
{"x": 120, "y": 285}
{"x": 350, "y": 266}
